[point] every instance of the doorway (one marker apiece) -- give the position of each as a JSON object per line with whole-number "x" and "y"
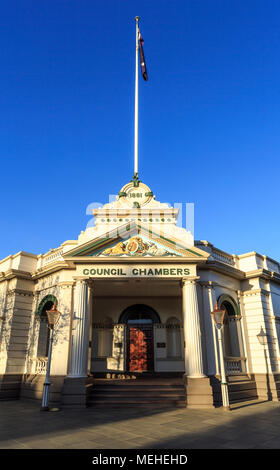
{"x": 140, "y": 339}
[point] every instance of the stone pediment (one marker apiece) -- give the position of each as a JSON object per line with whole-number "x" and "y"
{"x": 135, "y": 240}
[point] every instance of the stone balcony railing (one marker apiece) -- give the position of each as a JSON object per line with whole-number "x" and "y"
{"x": 223, "y": 257}
{"x": 55, "y": 256}
{"x": 39, "y": 365}
{"x": 235, "y": 365}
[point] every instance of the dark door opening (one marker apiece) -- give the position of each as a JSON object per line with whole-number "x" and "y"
{"x": 140, "y": 348}
{"x": 140, "y": 339}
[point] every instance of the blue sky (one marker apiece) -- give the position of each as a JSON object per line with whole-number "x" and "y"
{"x": 209, "y": 116}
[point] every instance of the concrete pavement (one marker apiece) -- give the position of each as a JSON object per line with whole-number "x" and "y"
{"x": 249, "y": 425}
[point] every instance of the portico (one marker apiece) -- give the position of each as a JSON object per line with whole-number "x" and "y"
{"x": 142, "y": 316}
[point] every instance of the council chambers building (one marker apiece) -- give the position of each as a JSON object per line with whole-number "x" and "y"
{"x": 135, "y": 292}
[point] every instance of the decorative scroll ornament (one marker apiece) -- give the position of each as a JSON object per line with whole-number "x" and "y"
{"x": 136, "y": 246}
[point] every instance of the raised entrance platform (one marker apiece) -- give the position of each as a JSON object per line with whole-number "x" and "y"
{"x": 141, "y": 389}
{"x": 134, "y": 389}
{"x": 166, "y": 390}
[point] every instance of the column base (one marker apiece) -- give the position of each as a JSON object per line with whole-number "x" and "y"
{"x": 33, "y": 388}
{"x": 45, "y": 408}
{"x": 199, "y": 392}
{"x": 74, "y": 392}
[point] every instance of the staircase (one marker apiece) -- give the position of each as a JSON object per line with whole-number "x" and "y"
{"x": 240, "y": 388}
{"x": 148, "y": 391}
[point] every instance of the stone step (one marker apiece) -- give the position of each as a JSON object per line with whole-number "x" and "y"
{"x": 242, "y": 393}
{"x": 132, "y": 391}
{"x": 120, "y": 403}
{"x": 135, "y": 389}
{"x": 111, "y": 392}
{"x": 135, "y": 398}
{"x": 137, "y": 392}
{"x": 115, "y": 404}
{"x": 242, "y": 399}
{"x": 138, "y": 376}
{"x": 164, "y": 392}
{"x": 238, "y": 377}
{"x": 242, "y": 386}
{"x": 139, "y": 395}
{"x": 137, "y": 383}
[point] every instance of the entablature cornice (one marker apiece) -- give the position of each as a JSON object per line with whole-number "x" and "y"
{"x": 263, "y": 274}
{"x": 15, "y": 273}
{"x": 61, "y": 284}
{"x": 223, "y": 269}
{"x": 135, "y": 212}
{"x": 252, "y": 292}
{"x": 65, "y": 284}
{"x": 72, "y": 261}
{"x": 22, "y": 292}
{"x": 208, "y": 284}
{"x": 50, "y": 269}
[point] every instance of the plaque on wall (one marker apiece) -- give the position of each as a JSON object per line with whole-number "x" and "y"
{"x": 161, "y": 345}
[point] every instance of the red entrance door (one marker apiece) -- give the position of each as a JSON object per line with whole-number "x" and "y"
{"x": 140, "y": 353}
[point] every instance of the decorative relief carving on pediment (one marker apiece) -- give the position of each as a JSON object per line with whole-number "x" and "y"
{"x": 136, "y": 246}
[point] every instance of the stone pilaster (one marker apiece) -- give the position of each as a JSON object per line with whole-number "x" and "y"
{"x": 209, "y": 300}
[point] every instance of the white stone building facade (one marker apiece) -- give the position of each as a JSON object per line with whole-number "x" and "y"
{"x": 135, "y": 294}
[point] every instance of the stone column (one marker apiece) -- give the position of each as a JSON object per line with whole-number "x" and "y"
{"x": 80, "y": 332}
{"x": 198, "y": 388}
{"x": 192, "y": 332}
{"x": 90, "y": 295}
{"x": 74, "y": 389}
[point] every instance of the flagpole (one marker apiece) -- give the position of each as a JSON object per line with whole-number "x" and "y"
{"x": 136, "y": 104}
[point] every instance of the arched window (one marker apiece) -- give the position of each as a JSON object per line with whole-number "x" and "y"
{"x": 139, "y": 313}
{"x": 233, "y": 344}
{"x": 44, "y": 331}
{"x": 173, "y": 337}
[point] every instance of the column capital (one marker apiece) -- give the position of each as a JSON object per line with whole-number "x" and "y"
{"x": 208, "y": 284}
{"x": 189, "y": 280}
{"x": 81, "y": 280}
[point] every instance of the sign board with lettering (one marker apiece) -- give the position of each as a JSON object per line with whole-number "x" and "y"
{"x": 139, "y": 271}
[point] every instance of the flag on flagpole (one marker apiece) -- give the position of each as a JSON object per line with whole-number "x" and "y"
{"x": 142, "y": 57}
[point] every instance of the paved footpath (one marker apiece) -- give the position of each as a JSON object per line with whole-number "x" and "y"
{"x": 249, "y": 425}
